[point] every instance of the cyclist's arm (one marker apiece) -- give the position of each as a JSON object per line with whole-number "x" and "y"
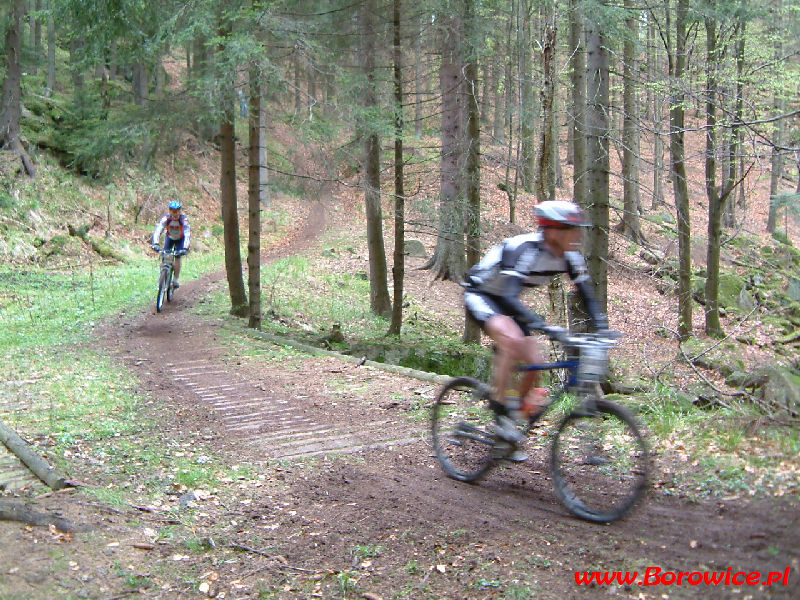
{"x": 186, "y": 234}
{"x": 583, "y": 283}
{"x": 512, "y": 285}
{"x": 159, "y": 229}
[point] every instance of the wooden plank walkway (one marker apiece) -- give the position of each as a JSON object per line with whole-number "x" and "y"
{"x": 14, "y": 476}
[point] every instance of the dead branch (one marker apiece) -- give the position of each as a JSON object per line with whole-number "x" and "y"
{"x": 17, "y": 511}
{"x": 276, "y": 557}
{"x": 708, "y": 383}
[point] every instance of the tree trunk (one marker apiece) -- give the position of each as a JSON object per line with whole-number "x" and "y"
{"x": 776, "y": 160}
{"x": 578, "y": 80}
{"x": 510, "y": 89}
{"x": 201, "y": 68}
{"x": 37, "y": 32}
{"x": 654, "y": 69}
{"x": 230, "y": 217}
{"x": 256, "y": 153}
{"x": 488, "y": 82}
{"x": 228, "y": 200}
{"x": 630, "y": 225}
{"x": 597, "y": 129}
{"x": 378, "y": 287}
{"x": 498, "y": 131}
{"x": 418, "y": 77}
{"x": 678, "y": 167}
{"x": 715, "y": 201}
{"x": 448, "y": 260}
{"x": 472, "y": 332}
{"x": 298, "y": 97}
{"x": 578, "y": 318}
{"x": 51, "y": 51}
{"x": 508, "y": 123}
{"x": 776, "y": 164}
{"x": 12, "y": 90}
{"x": 545, "y": 181}
{"x": 139, "y": 84}
{"x": 398, "y": 268}
{"x": 527, "y": 104}
{"x": 729, "y": 214}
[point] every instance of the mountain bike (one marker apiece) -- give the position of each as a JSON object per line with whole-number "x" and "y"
{"x": 166, "y": 275}
{"x": 599, "y": 460}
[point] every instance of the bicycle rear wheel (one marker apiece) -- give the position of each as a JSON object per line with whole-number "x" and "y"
{"x": 461, "y": 420}
{"x": 162, "y": 290}
{"x": 599, "y": 462}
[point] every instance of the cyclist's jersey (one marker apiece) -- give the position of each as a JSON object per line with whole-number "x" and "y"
{"x": 177, "y": 229}
{"x": 524, "y": 261}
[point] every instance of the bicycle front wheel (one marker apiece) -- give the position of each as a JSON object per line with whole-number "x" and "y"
{"x": 599, "y": 462}
{"x": 162, "y": 291}
{"x": 461, "y": 421}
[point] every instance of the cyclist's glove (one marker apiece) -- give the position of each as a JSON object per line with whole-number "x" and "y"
{"x": 559, "y": 334}
{"x": 156, "y": 248}
{"x": 181, "y": 252}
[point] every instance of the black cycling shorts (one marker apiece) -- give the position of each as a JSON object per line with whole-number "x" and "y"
{"x": 481, "y": 307}
{"x": 169, "y": 244}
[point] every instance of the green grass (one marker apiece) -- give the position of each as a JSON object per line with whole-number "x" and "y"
{"x": 46, "y": 308}
{"x": 365, "y": 551}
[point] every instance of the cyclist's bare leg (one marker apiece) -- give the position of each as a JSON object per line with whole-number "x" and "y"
{"x": 513, "y": 347}
{"x": 177, "y": 266}
{"x": 530, "y": 381}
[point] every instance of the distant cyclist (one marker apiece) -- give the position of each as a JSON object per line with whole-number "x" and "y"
{"x": 177, "y": 236}
{"x": 493, "y": 287}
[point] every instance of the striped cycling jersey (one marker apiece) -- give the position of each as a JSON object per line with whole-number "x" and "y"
{"x": 523, "y": 259}
{"x": 175, "y": 228}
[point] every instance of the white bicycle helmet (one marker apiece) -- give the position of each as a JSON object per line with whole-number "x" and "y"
{"x": 560, "y": 213}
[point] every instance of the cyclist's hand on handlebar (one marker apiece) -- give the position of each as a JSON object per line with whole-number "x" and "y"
{"x": 156, "y": 248}
{"x": 181, "y": 252}
{"x": 558, "y": 334}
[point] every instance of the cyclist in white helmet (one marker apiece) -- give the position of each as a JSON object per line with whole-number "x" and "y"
{"x": 493, "y": 287}
{"x": 177, "y": 235}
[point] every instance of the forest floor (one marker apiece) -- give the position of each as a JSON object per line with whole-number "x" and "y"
{"x": 344, "y": 498}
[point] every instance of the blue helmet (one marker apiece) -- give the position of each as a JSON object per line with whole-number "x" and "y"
{"x": 175, "y": 205}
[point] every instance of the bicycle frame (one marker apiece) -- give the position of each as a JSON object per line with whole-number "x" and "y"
{"x": 585, "y": 371}
{"x": 168, "y": 259}
{"x": 570, "y": 365}
{"x": 166, "y": 274}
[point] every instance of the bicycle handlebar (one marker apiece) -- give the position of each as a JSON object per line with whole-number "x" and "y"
{"x": 606, "y": 338}
{"x": 174, "y": 252}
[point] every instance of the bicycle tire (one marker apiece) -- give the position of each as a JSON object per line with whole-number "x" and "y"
{"x": 461, "y": 421}
{"x": 599, "y": 462}
{"x": 170, "y": 288}
{"x": 162, "y": 289}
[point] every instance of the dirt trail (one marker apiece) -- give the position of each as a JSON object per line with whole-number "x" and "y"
{"x": 397, "y": 497}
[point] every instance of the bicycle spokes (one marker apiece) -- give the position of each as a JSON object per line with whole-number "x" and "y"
{"x": 461, "y": 426}
{"x": 599, "y": 462}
